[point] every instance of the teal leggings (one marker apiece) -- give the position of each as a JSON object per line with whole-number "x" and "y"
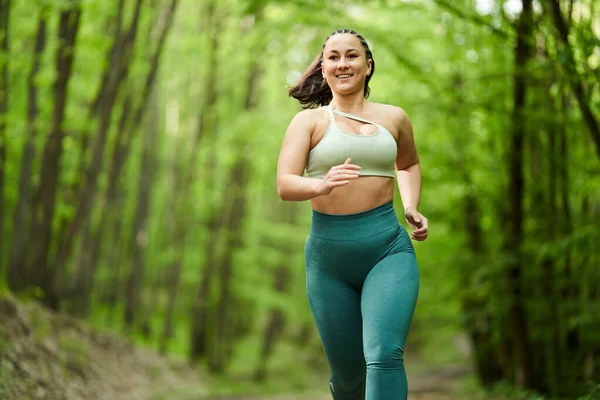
{"x": 362, "y": 282}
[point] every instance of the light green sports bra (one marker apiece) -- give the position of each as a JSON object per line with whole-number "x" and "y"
{"x": 374, "y": 153}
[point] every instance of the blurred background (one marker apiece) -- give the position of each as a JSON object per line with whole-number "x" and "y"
{"x": 138, "y": 150}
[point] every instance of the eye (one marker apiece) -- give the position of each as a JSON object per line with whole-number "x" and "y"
{"x": 352, "y": 55}
{"x": 333, "y": 57}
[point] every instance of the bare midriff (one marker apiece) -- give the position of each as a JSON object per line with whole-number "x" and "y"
{"x": 361, "y": 194}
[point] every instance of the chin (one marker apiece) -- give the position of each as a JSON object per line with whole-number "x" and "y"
{"x": 347, "y": 90}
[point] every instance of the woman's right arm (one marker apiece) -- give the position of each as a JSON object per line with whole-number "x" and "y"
{"x": 291, "y": 185}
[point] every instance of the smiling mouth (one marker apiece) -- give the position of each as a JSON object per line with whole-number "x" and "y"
{"x": 343, "y": 76}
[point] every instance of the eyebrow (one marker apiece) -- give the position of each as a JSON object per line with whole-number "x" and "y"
{"x": 347, "y": 51}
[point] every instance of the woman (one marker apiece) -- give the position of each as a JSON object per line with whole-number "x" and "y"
{"x": 342, "y": 153}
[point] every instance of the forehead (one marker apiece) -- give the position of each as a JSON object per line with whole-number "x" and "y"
{"x": 341, "y": 42}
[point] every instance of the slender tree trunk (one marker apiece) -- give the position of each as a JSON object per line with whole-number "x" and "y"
{"x": 235, "y": 215}
{"x": 127, "y": 126}
{"x": 40, "y": 235}
{"x": 113, "y": 194}
{"x": 479, "y": 324}
{"x": 513, "y": 238}
{"x": 207, "y": 122}
{"x": 4, "y": 33}
{"x": 554, "y": 372}
{"x": 175, "y": 229}
{"x": 92, "y": 242}
{"x": 87, "y": 193}
{"x": 281, "y": 281}
{"x": 134, "y": 280}
{"x": 570, "y": 290}
{"x": 575, "y": 79}
{"x": 115, "y": 55}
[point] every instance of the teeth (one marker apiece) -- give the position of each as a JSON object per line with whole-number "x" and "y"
{"x": 344, "y": 76}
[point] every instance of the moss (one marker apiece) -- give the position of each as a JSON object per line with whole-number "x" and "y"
{"x": 40, "y": 324}
{"x": 6, "y": 377}
{"x": 75, "y": 355}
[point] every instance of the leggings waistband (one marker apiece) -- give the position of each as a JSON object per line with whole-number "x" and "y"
{"x": 354, "y": 226}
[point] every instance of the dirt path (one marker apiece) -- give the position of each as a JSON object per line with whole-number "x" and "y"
{"x": 48, "y": 356}
{"x": 439, "y": 384}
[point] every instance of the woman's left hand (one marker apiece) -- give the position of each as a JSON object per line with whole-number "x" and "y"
{"x": 418, "y": 222}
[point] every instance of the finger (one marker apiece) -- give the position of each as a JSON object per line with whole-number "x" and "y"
{"x": 339, "y": 177}
{"x": 413, "y": 226}
{"x": 347, "y": 171}
{"x": 415, "y": 217}
{"x": 347, "y": 166}
{"x": 419, "y": 236}
{"x": 338, "y": 183}
{"x": 348, "y": 160}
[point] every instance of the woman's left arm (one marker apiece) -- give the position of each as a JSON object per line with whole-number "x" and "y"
{"x": 408, "y": 172}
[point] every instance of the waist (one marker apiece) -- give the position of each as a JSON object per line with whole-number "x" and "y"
{"x": 361, "y": 194}
{"x": 356, "y": 225}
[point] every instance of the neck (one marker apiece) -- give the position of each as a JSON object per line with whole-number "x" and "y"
{"x": 352, "y": 103}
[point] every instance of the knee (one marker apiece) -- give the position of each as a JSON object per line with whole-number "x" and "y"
{"x": 385, "y": 357}
{"x": 348, "y": 383}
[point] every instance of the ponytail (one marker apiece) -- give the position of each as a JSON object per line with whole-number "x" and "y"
{"x": 312, "y": 90}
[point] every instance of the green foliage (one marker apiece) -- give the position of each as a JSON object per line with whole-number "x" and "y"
{"x": 40, "y": 324}
{"x": 75, "y": 354}
{"x": 450, "y": 65}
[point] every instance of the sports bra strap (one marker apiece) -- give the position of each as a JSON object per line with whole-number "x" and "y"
{"x": 331, "y": 117}
{"x": 366, "y": 121}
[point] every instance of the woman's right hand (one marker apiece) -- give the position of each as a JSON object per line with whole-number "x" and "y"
{"x": 339, "y": 175}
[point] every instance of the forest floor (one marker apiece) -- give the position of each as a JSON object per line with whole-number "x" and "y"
{"x": 45, "y": 355}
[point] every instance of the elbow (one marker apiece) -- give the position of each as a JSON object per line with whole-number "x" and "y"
{"x": 283, "y": 195}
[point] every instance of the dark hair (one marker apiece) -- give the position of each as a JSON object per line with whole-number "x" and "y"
{"x": 311, "y": 90}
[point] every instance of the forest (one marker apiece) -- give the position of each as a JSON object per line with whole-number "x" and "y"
{"x": 138, "y": 153}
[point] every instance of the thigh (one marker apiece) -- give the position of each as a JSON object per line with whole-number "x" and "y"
{"x": 335, "y": 307}
{"x": 389, "y": 297}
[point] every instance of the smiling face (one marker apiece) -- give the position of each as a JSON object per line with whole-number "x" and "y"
{"x": 345, "y": 65}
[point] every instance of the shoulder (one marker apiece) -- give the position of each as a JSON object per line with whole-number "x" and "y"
{"x": 308, "y": 119}
{"x": 309, "y": 115}
{"x": 395, "y": 116}
{"x": 393, "y": 112}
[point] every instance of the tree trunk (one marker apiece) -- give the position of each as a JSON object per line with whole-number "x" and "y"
{"x": 234, "y": 225}
{"x": 40, "y": 235}
{"x": 281, "y": 281}
{"x": 175, "y": 230}
{"x": 523, "y": 376}
{"x": 549, "y": 267}
{"x": 134, "y": 282}
{"x": 87, "y": 193}
{"x": 236, "y": 212}
{"x": 207, "y": 122}
{"x": 575, "y": 79}
{"x": 479, "y": 324}
{"x": 115, "y": 55}
{"x": 570, "y": 290}
{"x": 133, "y": 290}
{"x": 4, "y": 33}
{"x": 16, "y": 262}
